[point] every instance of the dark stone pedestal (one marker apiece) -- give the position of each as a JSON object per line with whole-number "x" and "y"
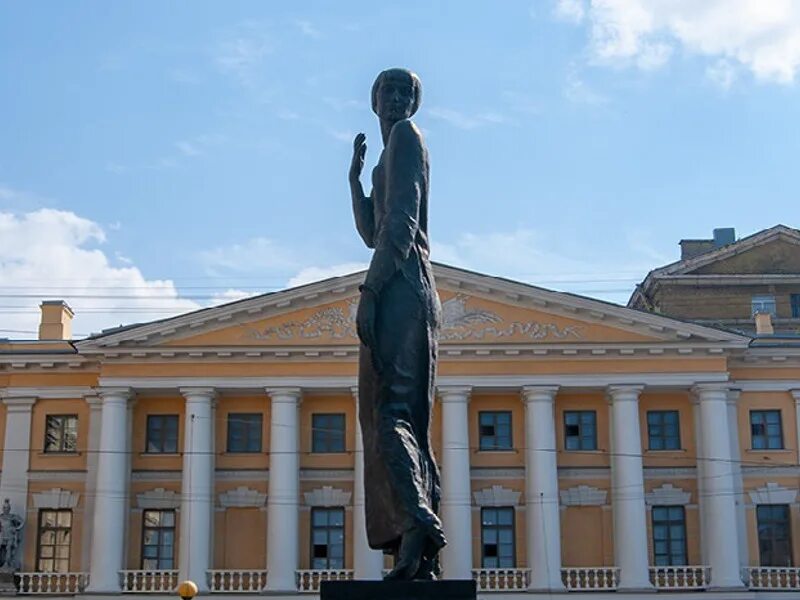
{"x": 445, "y": 589}
{"x": 7, "y": 585}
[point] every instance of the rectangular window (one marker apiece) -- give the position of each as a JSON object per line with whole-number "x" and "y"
{"x": 61, "y": 433}
{"x": 774, "y": 535}
{"x": 497, "y": 538}
{"x": 162, "y": 434}
{"x": 327, "y": 432}
{"x": 495, "y": 430}
{"x": 766, "y": 432}
{"x": 327, "y": 538}
{"x": 158, "y": 539}
{"x": 669, "y": 536}
{"x": 580, "y": 430}
{"x": 54, "y": 539}
{"x": 795, "y": 301}
{"x": 244, "y": 432}
{"x": 663, "y": 430}
{"x": 763, "y": 304}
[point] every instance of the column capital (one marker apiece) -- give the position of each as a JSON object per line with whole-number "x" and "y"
{"x": 539, "y": 393}
{"x": 354, "y": 391}
{"x": 191, "y": 393}
{"x": 624, "y": 393}
{"x": 454, "y": 393}
{"x": 19, "y": 404}
{"x": 285, "y": 394}
{"x": 733, "y": 396}
{"x": 711, "y": 391}
{"x": 115, "y": 394}
{"x": 796, "y": 395}
{"x": 94, "y": 401}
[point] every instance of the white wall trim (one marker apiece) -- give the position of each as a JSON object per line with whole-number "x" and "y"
{"x": 242, "y": 496}
{"x": 583, "y": 495}
{"x": 773, "y": 493}
{"x": 497, "y": 495}
{"x": 158, "y": 498}
{"x": 56, "y": 498}
{"x": 327, "y": 496}
{"x": 668, "y": 495}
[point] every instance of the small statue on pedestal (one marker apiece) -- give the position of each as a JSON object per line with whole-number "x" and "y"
{"x": 10, "y": 534}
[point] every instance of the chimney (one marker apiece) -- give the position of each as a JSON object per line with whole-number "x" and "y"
{"x": 56, "y": 321}
{"x": 724, "y": 236}
{"x": 764, "y": 324}
{"x": 692, "y": 248}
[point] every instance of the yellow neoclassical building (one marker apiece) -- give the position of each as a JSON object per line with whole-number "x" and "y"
{"x": 586, "y": 449}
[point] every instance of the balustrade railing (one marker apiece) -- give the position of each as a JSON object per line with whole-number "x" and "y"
{"x": 309, "y": 580}
{"x": 772, "y": 578}
{"x": 236, "y": 580}
{"x": 501, "y": 580}
{"x": 685, "y": 577}
{"x": 149, "y": 582}
{"x": 590, "y": 579}
{"x": 51, "y": 583}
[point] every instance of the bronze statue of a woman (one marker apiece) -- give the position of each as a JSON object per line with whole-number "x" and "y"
{"x": 398, "y": 323}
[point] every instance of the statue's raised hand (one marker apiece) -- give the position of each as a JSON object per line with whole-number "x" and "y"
{"x": 359, "y": 152}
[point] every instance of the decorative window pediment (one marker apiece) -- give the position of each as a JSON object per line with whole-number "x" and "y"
{"x": 667, "y": 495}
{"x": 583, "y": 495}
{"x": 327, "y": 496}
{"x": 497, "y": 495}
{"x": 158, "y": 498}
{"x": 242, "y": 497}
{"x": 773, "y": 493}
{"x": 56, "y": 498}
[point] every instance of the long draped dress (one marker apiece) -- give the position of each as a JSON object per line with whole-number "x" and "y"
{"x": 396, "y": 375}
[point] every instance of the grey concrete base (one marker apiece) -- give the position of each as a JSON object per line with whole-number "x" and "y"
{"x": 446, "y": 589}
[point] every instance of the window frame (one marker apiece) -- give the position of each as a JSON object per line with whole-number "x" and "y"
{"x": 663, "y": 425}
{"x": 762, "y": 301}
{"x": 328, "y": 529}
{"x": 668, "y": 523}
{"x": 787, "y": 526}
{"x": 497, "y": 528}
{"x": 581, "y": 436}
{"x": 62, "y": 431}
{"x": 494, "y": 414}
{"x": 766, "y": 435}
{"x": 160, "y": 529}
{"x": 323, "y": 436}
{"x": 55, "y": 529}
{"x": 163, "y": 436}
{"x": 249, "y": 432}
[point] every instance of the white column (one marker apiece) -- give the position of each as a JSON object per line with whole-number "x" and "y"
{"x": 738, "y": 482}
{"x": 197, "y": 487}
{"x": 630, "y": 514}
{"x": 14, "y": 480}
{"x": 367, "y": 563}
{"x": 92, "y": 458}
{"x": 719, "y": 494}
{"x": 456, "y": 492}
{"x": 108, "y": 539}
{"x": 796, "y": 395}
{"x": 284, "y": 490}
{"x": 701, "y": 482}
{"x": 541, "y": 489}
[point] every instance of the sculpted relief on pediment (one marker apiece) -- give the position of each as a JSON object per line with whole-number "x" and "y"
{"x": 462, "y": 321}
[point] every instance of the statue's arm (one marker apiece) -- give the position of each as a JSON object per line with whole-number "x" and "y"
{"x": 406, "y": 181}
{"x": 362, "y": 204}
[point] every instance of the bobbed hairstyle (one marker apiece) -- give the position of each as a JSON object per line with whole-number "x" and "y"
{"x": 402, "y": 75}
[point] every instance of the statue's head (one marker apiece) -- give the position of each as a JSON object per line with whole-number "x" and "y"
{"x": 396, "y": 94}
{"x": 6, "y": 506}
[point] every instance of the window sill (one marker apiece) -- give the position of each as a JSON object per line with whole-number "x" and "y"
{"x": 770, "y": 451}
{"x": 341, "y": 453}
{"x": 160, "y": 454}
{"x": 243, "y": 453}
{"x": 565, "y": 451}
{"x": 59, "y": 454}
{"x": 498, "y": 451}
{"x": 679, "y": 451}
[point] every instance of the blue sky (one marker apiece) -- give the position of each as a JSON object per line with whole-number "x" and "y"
{"x": 178, "y": 154}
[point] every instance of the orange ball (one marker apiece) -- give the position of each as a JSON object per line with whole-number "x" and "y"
{"x": 187, "y": 590}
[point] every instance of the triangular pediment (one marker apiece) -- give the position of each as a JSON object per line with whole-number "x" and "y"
{"x": 477, "y": 310}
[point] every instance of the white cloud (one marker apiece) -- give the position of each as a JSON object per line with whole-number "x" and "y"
{"x": 341, "y": 135}
{"x": 463, "y": 120}
{"x": 570, "y": 10}
{"x": 188, "y": 148}
{"x": 308, "y": 29}
{"x": 722, "y": 73}
{"x": 255, "y": 255}
{"x": 576, "y": 90}
{"x": 761, "y": 35}
{"x": 230, "y": 295}
{"x": 242, "y": 53}
{"x": 53, "y": 254}
{"x": 311, "y": 274}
